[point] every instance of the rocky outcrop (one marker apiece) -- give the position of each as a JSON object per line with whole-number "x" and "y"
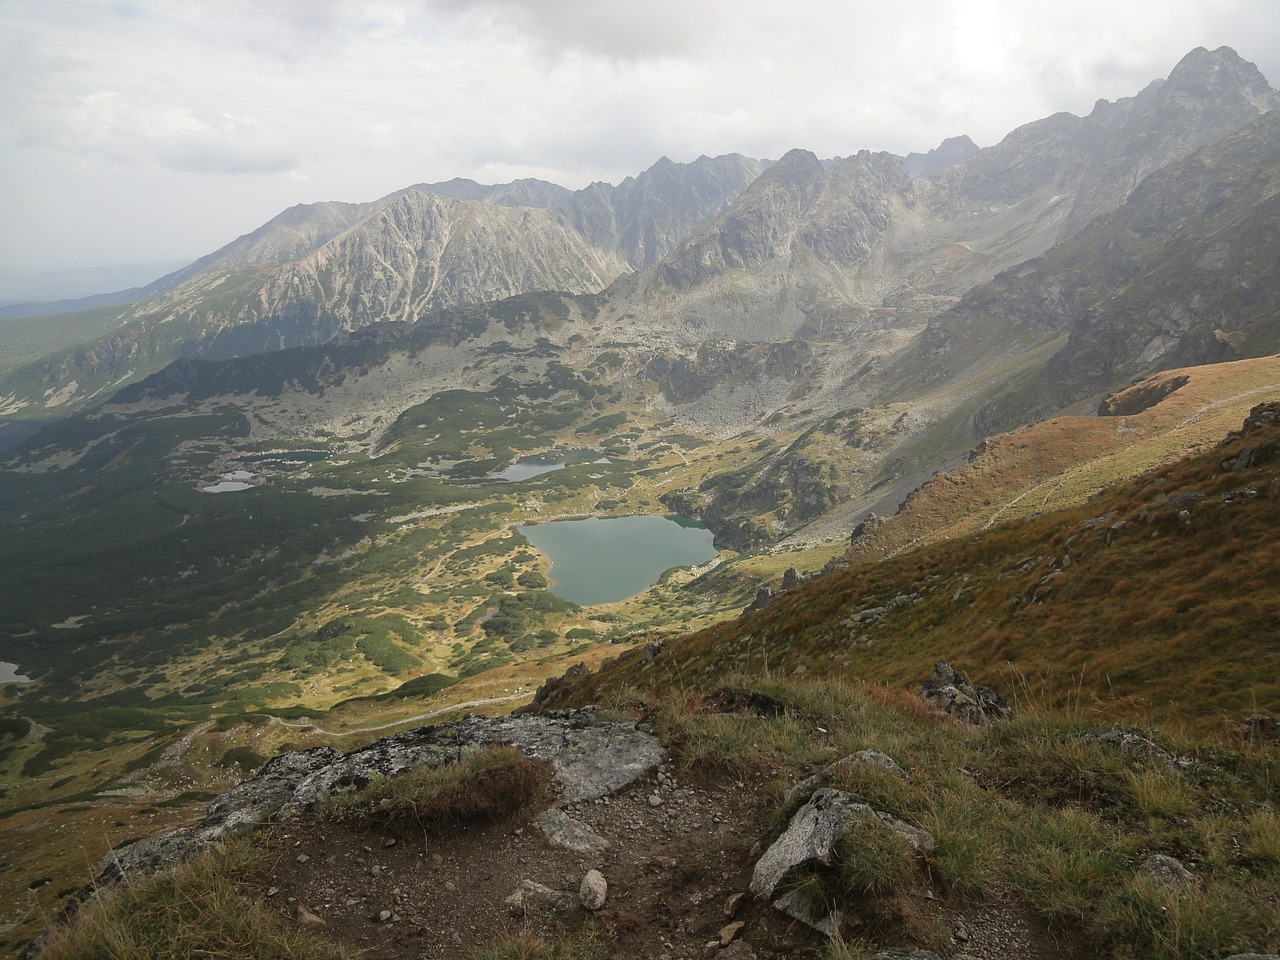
{"x": 1166, "y": 871}
{"x": 959, "y": 697}
{"x": 591, "y": 759}
{"x": 1137, "y": 744}
{"x": 1260, "y": 730}
{"x": 811, "y": 838}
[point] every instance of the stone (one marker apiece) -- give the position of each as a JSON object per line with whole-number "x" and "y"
{"x": 738, "y": 950}
{"x": 810, "y": 837}
{"x": 732, "y": 903}
{"x": 799, "y": 907}
{"x": 594, "y": 890}
{"x": 814, "y": 831}
{"x": 905, "y": 953}
{"x": 764, "y": 596}
{"x": 1166, "y": 871}
{"x": 958, "y": 697}
{"x": 563, "y": 831}
{"x": 730, "y": 931}
{"x": 305, "y": 918}
{"x": 532, "y": 898}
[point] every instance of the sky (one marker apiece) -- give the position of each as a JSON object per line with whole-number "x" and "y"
{"x": 160, "y": 130}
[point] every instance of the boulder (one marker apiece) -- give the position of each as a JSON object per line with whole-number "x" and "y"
{"x": 563, "y": 831}
{"x": 959, "y": 697}
{"x": 814, "y": 831}
{"x": 811, "y": 837}
{"x": 594, "y": 890}
{"x": 535, "y": 899}
{"x": 1166, "y": 872}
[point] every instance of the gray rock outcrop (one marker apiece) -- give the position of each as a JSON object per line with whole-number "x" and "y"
{"x": 1166, "y": 871}
{"x": 591, "y": 759}
{"x": 811, "y": 839}
{"x": 1137, "y": 744}
{"x": 959, "y": 697}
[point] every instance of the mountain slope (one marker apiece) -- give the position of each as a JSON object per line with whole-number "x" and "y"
{"x": 318, "y": 269}
{"x": 1172, "y": 277}
{"x": 1158, "y": 591}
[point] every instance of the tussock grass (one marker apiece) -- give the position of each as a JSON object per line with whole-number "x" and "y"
{"x": 194, "y": 913}
{"x": 530, "y": 946}
{"x": 874, "y": 860}
{"x": 485, "y": 785}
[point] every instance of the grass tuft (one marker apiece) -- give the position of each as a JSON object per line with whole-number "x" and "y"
{"x": 485, "y": 785}
{"x": 530, "y": 946}
{"x": 197, "y": 911}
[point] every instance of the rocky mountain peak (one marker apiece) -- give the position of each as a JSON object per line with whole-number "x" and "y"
{"x": 1219, "y": 74}
{"x": 951, "y": 151}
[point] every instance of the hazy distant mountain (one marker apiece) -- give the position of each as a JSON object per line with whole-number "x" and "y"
{"x": 65, "y": 291}
{"x": 318, "y": 269}
{"x": 951, "y": 151}
{"x": 856, "y": 250}
{"x": 811, "y": 249}
{"x": 1175, "y": 276}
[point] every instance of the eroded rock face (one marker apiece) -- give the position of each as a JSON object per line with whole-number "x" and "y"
{"x": 959, "y": 697}
{"x": 591, "y": 759}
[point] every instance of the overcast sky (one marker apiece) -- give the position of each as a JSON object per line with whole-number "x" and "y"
{"x": 139, "y": 130}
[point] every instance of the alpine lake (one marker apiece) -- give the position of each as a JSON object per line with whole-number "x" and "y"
{"x": 597, "y": 560}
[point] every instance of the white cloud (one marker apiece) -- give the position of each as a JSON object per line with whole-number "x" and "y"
{"x": 351, "y": 99}
{"x": 126, "y": 129}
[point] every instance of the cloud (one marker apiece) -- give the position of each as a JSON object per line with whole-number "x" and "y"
{"x": 128, "y": 129}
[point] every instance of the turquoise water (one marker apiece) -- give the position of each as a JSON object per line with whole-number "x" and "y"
{"x": 600, "y": 561}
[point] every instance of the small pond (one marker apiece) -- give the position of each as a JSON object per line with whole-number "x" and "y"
{"x": 600, "y": 561}
{"x": 230, "y": 482}
{"x": 530, "y": 467}
{"x": 285, "y": 456}
{"x": 9, "y": 673}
